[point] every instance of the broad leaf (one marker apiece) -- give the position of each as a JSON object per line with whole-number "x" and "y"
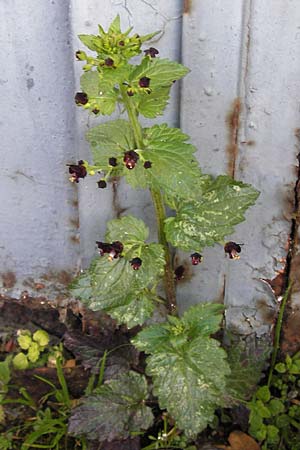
{"x": 110, "y": 139}
{"x": 174, "y": 168}
{"x": 115, "y": 26}
{"x": 90, "y": 41}
{"x": 102, "y": 96}
{"x": 153, "y": 104}
{"x": 135, "y": 310}
{"x": 113, "y": 285}
{"x": 207, "y": 221}
{"x": 204, "y": 318}
{"x": 127, "y": 229}
{"x": 188, "y": 368}
{"x": 115, "y": 410}
{"x": 162, "y": 72}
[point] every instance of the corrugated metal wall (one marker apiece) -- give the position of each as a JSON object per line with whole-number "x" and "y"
{"x": 240, "y": 104}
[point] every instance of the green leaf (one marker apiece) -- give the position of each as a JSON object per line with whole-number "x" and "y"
{"x": 110, "y": 139}
{"x": 276, "y": 406}
{"x": 5, "y": 373}
{"x": 162, "y": 72}
{"x": 188, "y": 368}
{"x": 89, "y": 83}
{"x": 115, "y": 410}
{"x": 272, "y": 434}
{"x": 212, "y": 217}
{"x": 262, "y": 410}
{"x": 204, "y": 318}
{"x": 263, "y": 393}
{"x": 174, "y": 168}
{"x": 115, "y": 26}
{"x": 280, "y": 368}
{"x": 90, "y": 41}
{"x": 127, "y": 229}
{"x": 20, "y": 361}
{"x": 113, "y": 285}
{"x": 153, "y": 104}
{"x": 135, "y": 310}
{"x": 102, "y": 96}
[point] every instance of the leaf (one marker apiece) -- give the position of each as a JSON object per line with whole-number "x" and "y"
{"x": 188, "y": 368}
{"x": 90, "y": 41}
{"x": 113, "y": 285}
{"x": 110, "y": 139}
{"x": 263, "y": 393}
{"x": 135, "y": 310}
{"x": 212, "y": 217}
{"x": 115, "y": 410}
{"x": 162, "y": 72}
{"x": 174, "y": 168}
{"x": 205, "y": 317}
{"x": 153, "y": 104}
{"x": 127, "y": 229}
{"x": 115, "y": 26}
{"x": 101, "y": 95}
{"x": 276, "y": 406}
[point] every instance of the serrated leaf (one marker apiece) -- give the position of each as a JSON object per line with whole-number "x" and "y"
{"x": 153, "y": 104}
{"x": 207, "y": 221}
{"x": 174, "y": 168}
{"x": 204, "y": 318}
{"x": 135, "y": 310}
{"x": 188, "y": 369}
{"x": 113, "y": 285}
{"x": 110, "y": 139}
{"x": 263, "y": 393}
{"x": 115, "y": 410}
{"x": 89, "y": 82}
{"x": 162, "y": 72}
{"x": 126, "y": 229}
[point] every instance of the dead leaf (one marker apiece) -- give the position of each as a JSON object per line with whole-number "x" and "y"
{"x": 70, "y": 364}
{"x": 242, "y": 441}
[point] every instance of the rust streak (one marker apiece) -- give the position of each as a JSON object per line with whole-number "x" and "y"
{"x": 233, "y": 123}
{"x": 115, "y": 200}
{"x": 187, "y": 5}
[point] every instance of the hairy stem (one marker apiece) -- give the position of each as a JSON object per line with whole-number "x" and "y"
{"x": 277, "y": 335}
{"x": 157, "y": 199}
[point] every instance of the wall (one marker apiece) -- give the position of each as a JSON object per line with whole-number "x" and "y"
{"x": 239, "y": 104}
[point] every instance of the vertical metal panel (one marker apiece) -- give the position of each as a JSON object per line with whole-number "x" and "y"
{"x": 264, "y": 74}
{"x": 38, "y": 216}
{"x": 97, "y": 206}
{"x": 211, "y": 49}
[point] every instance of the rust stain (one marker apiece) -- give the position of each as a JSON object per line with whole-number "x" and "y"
{"x": 233, "y": 123}
{"x": 187, "y": 6}
{"x": 267, "y": 312}
{"x": 291, "y": 341}
{"x": 75, "y": 222}
{"x": 75, "y": 239}
{"x": 62, "y": 277}
{"x": 75, "y": 203}
{"x": 250, "y": 143}
{"x": 8, "y": 279}
{"x": 183, "y": 268}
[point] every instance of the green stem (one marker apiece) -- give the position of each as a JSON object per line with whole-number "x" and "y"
{"x": 277, "y": 335}
{"x": 157, "y": 199}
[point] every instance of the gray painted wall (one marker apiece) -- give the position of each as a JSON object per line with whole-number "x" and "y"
{"x": 244, "y": 60}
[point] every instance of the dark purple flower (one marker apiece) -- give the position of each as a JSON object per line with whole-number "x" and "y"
{"x": 144, "y": 82}
{"x": 136, "y": 263}
{"x": 130, "y": 92}
{"x": 152, "y": 52}
{"x": 80, "y": 55}
{"x": 109, "y": 62}
{"x": 81, "y": 98}
{"x": 196, "y": 259}
{"x": 121, "y": 43}
{"x": 77, "y": 171}
{"x": 130, "y": 159}
{"x": 114, "y": 249}
{"x": 232, "y": 248}
{"x": 113, "y": 161}
{"x": 102, "y": 184}
{"x": 96, "y": 110}
{"x": 147, "y": 164}
{"x": 179, "y": 273}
